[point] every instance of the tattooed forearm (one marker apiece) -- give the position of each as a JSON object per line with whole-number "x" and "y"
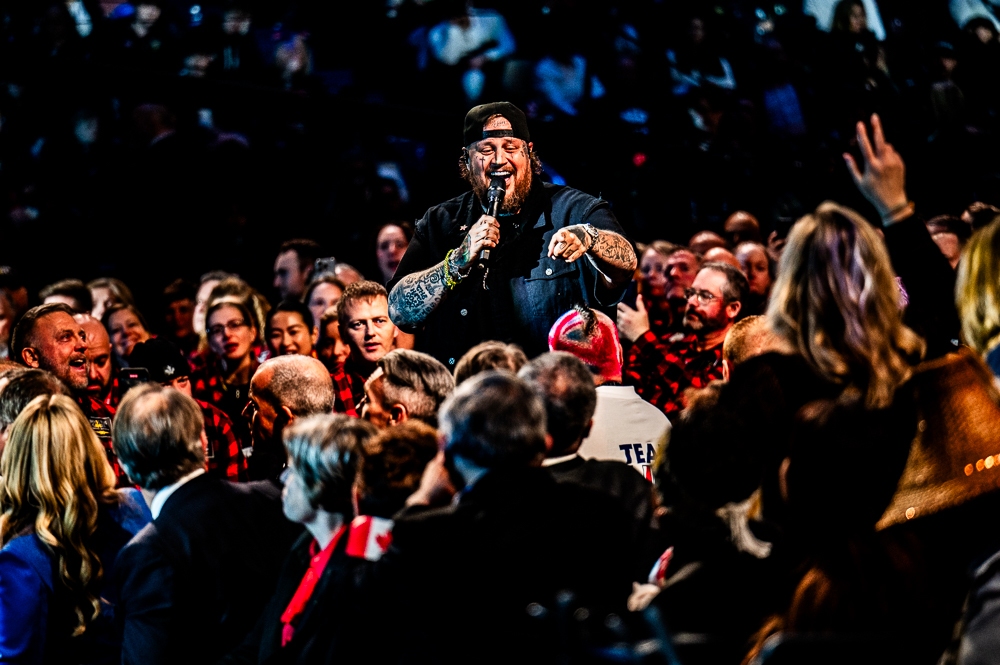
{"x": 415, "y": 296}
{"x": 616, "y": 253}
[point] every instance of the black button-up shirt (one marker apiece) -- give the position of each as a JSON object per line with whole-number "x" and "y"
{"x": 527, "y": 290}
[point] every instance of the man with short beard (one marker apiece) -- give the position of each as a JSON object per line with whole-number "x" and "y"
{"x": 661, "y": 370}
{"x": 48, "y": 337}
{"x": 551, "y": 247}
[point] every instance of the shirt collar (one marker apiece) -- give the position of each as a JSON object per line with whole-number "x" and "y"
{"x": 552, "y": 461}
{"x": 156, "y": 505}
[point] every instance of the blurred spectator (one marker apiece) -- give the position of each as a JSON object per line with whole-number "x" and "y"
{"x": 695, "y": 62}
{"x": 330, "y": 348}
{"x": 390, "y": 245}
{"x": 625, "y": 427}
{"x": 950, "y": 235}
{"x": 979, "y": 214}
{"x": 323, "y": 293}
{"x": 662, "y": 370}
{"x": 489, "y": 355}
{"x": 108, "y": 291}
{"x": 754, "y": 263}
{"x": 8, "y": 317}
{"x": 102, "y": 383}
{"x": 741, "y": 227}
{"x": 293, "y": 268}
{"x": 703, "y": 241}
{"x": 347, "y": 274}
{"x": 206, "y": 285}
{"x": 145, "y": 41}
{"x": 223, "y": 451}
{"x": 289, "y": 329}
{"x": 62, "y": 525}
{"x": 71, "y": 292}
{"x": 126, "y": 327}
{"x": 977, "y": 293}
{"x": 471, "y": 40}
{"x": 283, "y": 390}
{"x": 748, "y": 338}
{"x": 235, "y": 290}
{"x": 864, "y": 13}
{"x": 391, "y": 465}
{"x": 406, "y": 385}
{"x": 228, "y": 539}
{"x": 179, "y": 306}
{"x": 722, "y": 255}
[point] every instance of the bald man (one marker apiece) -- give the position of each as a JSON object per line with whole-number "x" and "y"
{"x": 99, "y": 368}
{"x": 283, "y": 389}
{"x": 723, "y": 255}
{"x": 741, "y": 226}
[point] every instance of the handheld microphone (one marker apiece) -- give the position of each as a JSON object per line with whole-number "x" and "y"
{"x": 494, "y": 197}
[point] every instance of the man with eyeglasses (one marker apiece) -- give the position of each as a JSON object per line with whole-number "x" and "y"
{"x": 662, "y": 369}
{"x": 551, "y": 247}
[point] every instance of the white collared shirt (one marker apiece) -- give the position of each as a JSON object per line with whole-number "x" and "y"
{"x": 156, "y": 505}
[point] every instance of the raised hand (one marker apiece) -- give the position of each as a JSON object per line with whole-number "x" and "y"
{"x": 633, "y": 323}
{"x": 883, "y": 180}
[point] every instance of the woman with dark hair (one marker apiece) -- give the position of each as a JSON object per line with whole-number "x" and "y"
{"x": 390, "y": 245}
{"x": 224, "y": 381}
{"x": 62, "y": 523}
{"x": 322, "y": 293}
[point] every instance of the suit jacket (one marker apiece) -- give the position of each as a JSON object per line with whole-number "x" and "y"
{"x": 461, "y": 577}
{"x": 193, "y": 582}
{"x": 327, "y": 623}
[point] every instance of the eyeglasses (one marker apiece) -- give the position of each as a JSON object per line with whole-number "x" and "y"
{"x": 704, "y": 297}
{"x": 231, "y": 326}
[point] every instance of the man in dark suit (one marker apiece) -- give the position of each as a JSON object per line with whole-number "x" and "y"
{"x": 463, "y": 576}
{"x": 193, "y": 582}
{"x": 566, "y": 385}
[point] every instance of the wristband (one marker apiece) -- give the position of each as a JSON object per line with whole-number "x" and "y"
{"x": 898, "y": 213}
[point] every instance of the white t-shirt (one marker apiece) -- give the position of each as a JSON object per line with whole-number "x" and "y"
{"x": 626, "y": 429}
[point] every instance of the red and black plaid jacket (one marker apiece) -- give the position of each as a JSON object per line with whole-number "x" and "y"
{"x": 103, "y": 414}
{"x": 343, "y": 394}
{"x": 661, "y": 370}
{"x": 225, "y": 454}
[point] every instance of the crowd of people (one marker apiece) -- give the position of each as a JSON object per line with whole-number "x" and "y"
{"x": 525, "y": 436}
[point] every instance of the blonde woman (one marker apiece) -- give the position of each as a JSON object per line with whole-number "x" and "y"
{"x": 61, "y": 525}
{"x": 977, "y": 294}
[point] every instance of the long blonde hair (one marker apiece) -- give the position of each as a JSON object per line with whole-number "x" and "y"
{"x": 977, "y": 288}
{"x": 55, "y": 476}
{"x": 836, "y": 303}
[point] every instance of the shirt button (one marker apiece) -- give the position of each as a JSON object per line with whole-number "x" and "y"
{"x": 548, "y": 271}
{"x": 464, "y": 312}
{"x": 451, "y": 361}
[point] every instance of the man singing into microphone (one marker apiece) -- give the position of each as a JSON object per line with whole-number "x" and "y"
{"x": 550, "y": 247}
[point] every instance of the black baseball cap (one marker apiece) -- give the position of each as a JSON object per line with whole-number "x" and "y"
{"x": 162, "y": 359}
{"x": 478, "y": 115}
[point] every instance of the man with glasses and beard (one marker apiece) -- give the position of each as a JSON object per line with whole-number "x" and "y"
{"x": 551, "y": 247}
{"x": 662, "y": 369}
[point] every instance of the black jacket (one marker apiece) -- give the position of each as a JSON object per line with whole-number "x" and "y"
{"x": 193, "y": 582}
{"x": 327, "y": 624}
{"x": 461, "y": 577}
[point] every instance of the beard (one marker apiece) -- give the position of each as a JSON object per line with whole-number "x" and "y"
{"x": 513, "y": 199}
{"x": 696, "y": 323}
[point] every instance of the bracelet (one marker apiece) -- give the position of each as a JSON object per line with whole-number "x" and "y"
{"x": 899, "y": 212}
{"x": 449, "y": 279}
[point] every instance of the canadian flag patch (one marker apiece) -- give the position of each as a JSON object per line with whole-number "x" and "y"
{"x": 658, "y": 575}
{"x": 369, "y": 537}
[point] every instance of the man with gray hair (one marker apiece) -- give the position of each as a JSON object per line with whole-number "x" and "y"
{"x": 193, "y": 582}
{"x": 282, "y": 389}
{"x": 511, "y": 516}
{"x": 406, "y": 384}
{"x": 566, "y": 386}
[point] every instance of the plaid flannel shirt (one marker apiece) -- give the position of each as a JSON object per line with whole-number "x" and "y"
{"x": 346, "y": 397}
{"x": 661, "y": 370}
{"x": 224, "y": 455}
{"x": 94, "y": 409}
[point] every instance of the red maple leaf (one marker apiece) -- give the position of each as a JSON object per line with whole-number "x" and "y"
{"x": 383, "y": 540}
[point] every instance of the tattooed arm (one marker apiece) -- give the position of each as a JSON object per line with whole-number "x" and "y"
{"x": 417, "y": 295}
{"x": 612, "y": 253}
